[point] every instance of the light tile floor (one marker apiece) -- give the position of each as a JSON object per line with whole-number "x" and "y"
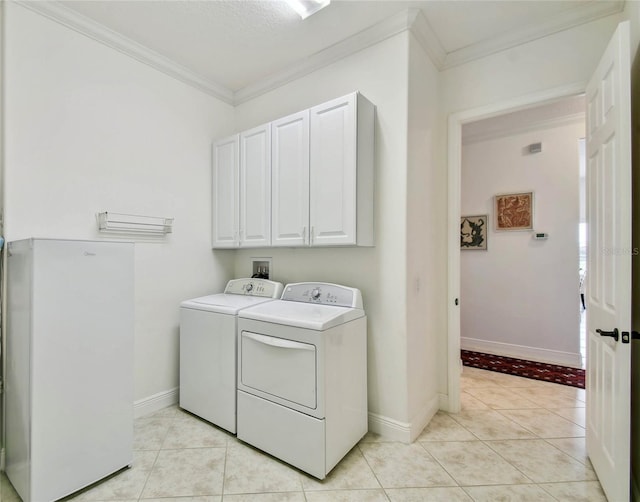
{"x": 514, "y": 440}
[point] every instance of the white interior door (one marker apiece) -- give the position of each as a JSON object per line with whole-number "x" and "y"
{"x": 609, "y": 267}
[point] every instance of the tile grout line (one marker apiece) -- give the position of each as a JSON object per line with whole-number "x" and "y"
{"x": 224, "y": 469}
{"x": 573, "y": 457}
{"x": 166, "y": 434}
{"x": 440, "y": 463}
{"x": 384, "y": 490}
{"x": 146, "y": 480}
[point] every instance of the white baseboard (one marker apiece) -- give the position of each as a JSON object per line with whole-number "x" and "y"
{"x": 154, "y": 403}
{"x": 444, "y": 403}
{"x": 572, "y": 359}
{"x": 405, "y": 432}
{"x": 420, "y": 421}
{"x": 389, "y": 428}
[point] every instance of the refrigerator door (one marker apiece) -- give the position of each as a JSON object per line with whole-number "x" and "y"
{"x": 81, "y": 364}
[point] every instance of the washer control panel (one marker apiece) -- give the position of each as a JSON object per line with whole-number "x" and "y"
{"x": 254, "y": 287}
{"x": 323, "y": 293}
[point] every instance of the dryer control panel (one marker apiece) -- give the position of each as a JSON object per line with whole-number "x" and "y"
{"x": 254, "y": 287}
{"x": 323, "y": 293}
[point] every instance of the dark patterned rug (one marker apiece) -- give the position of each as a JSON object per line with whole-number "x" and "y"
{"x": 528, "y": 369}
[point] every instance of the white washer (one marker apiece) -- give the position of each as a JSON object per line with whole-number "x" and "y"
{"x": 208, "y": 348}
{"x": 302, "y": 375}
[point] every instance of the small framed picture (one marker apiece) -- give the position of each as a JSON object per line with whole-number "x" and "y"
{"x": 473, "y": 232}
{"x": 514, "y": 211}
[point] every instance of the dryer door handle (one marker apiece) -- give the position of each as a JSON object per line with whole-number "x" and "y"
{"x": 277, "y": 342}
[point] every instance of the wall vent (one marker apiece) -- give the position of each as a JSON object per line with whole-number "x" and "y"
{"x": 535, "y": 147}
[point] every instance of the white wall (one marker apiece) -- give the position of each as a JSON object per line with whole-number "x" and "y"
{"x": 554, "y": 61}
{"x": 426, "y": 228}
{"x": 88, "y": 129}
{"x": 520, "y": 297}
{"x": 380, "y": 73}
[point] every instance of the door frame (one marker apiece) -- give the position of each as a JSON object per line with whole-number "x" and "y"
{"x": 454, "y": 187}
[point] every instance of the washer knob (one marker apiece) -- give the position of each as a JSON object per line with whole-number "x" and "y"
{"x": 315, "y": 294}
{"x": 249, "y": 287}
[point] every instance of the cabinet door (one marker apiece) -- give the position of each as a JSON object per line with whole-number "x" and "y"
{"x": 290, "y": 180}
{"x": 333, "y": 172}
{"x": 225, "y": 179}
{"x": 255, "y": 187}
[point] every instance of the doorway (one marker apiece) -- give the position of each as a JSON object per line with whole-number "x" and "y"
{"x": 519, "y": 287}
{"x": 456, "y": 123}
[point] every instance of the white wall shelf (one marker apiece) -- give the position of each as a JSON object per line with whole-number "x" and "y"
{"x": 134, "y": 224}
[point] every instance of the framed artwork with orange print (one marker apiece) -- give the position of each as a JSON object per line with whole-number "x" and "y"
{"x": 514, "y": 211}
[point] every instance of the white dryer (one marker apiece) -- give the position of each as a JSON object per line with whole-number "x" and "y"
{"x": 302, "y": 375}
{"x": 208, "y": 348}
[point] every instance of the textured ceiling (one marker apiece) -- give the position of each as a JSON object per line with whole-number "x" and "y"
{"x": 236, "y": 43}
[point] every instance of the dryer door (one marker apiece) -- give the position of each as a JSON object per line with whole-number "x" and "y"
{"x": 282, "y": 368}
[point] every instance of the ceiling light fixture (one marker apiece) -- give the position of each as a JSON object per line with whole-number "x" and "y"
{"x": 305, "y": 8}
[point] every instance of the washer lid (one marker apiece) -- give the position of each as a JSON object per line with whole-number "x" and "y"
{"x": 223, "y": 303}
{"x": 302, "y": 315}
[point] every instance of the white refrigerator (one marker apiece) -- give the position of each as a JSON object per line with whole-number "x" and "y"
{"x": 69, "y": 373}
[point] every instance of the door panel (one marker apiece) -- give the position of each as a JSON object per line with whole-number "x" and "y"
{"x": 289, "y": 435}
{"x": 333, "y": 172}
{"x": 609, "y": 266}
{"x": 226, "y": 176}
{"x": 255, "y": 187}
{"x": 282, "y": 368}
{"x": 290, "y": 178}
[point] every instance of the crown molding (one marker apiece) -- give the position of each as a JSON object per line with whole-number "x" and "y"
{"x": 426, "y": 37}
{"x": 86, "y": 26}
{"x": 580, "y": 14}
{"x": 412, "y": 20}
{"x": 366, "y": 38}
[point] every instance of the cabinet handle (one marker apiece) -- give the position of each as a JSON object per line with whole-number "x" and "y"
{"x": 312, "y": 235}
{"x": 304, "y": 234}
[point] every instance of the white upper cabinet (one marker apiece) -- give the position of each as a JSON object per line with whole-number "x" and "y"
{"x": 225, "y": 193}
{"x": 241, "y": 209}
{"x": 341, "y": 172}
{"x": 255, "y": 187}
{"x": 302, "y": 180}
{"x": 290, "y": 178}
